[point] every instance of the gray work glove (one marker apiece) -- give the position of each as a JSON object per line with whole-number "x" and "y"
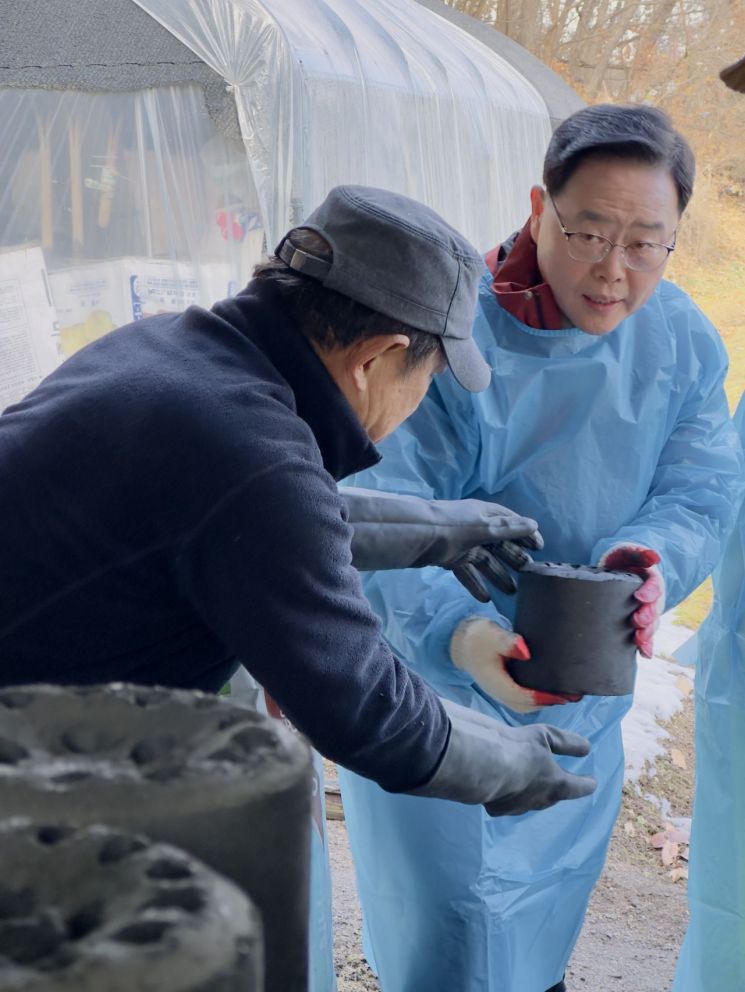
{"x": 471, "y": 537}
{"x": 508, "y": 770}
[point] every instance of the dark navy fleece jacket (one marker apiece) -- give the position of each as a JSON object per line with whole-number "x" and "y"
{"x": 168, "y": 510}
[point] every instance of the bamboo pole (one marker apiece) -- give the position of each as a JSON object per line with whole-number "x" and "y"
{"x": 108, "y": 175}
{"x": 76, "y": 187}
{"x": 45, "y": 183}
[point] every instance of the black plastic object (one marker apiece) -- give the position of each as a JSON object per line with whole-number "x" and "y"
{"x": 575, "y": 621}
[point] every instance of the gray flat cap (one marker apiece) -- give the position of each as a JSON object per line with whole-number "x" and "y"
{"x": 401, "y": 259}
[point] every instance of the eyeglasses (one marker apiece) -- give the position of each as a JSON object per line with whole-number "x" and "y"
{"x": 640, "y": 256}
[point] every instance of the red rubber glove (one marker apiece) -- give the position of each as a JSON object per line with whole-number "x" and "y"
{"x": 651, "y": 594}
{"x": 482, "y": 648}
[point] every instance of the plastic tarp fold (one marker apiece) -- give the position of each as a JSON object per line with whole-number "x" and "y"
{"x": 382, "y": 93}
{"x": 113, "y": 206}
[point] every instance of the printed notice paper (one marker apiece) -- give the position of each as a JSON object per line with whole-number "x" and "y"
{"x": 28, "y": 339}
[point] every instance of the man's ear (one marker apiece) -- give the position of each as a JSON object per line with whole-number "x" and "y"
{"x": 537, "y": 206}
{"x": 364, "y": 357}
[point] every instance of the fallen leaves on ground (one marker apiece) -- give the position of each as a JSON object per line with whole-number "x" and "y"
{"x": 678, "y": 758}
{"x": 669, "y": 853}
{"x": 672, "y": 843}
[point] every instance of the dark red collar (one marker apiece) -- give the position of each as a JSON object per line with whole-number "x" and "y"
{"x": 519, "y": 286}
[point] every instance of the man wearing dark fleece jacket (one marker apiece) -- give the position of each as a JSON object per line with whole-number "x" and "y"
{"x": 168, "y": 506}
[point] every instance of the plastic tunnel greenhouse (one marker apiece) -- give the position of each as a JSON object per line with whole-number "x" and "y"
{"x": 154, "y": 149}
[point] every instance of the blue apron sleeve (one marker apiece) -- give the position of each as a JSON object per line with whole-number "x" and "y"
{"x": 432, "y": 455}
{"x": 692, "y": 503}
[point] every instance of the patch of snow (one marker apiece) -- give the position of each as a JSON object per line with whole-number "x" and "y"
{"x": 681, "y": 823}
{"x": 658, "y": 696}
{"x": 670, "y": 636}
{"x": 662, "y": 804}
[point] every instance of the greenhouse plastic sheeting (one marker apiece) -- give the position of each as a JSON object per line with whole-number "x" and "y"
{"x": 713, "y": 954}
{"x": 113, "y": 206}
{"x": 380, "y": 92}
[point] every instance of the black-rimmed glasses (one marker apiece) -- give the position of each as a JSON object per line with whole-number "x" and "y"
{"x": 640, "y": 256}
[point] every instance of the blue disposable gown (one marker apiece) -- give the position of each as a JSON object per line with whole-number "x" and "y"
{"x": 713, "y": 955}
{"x": 624, "y": 437}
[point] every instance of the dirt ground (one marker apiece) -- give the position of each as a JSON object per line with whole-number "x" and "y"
{"x": 637, "y": 916}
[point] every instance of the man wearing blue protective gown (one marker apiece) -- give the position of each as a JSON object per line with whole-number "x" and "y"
{"x": 713, "y": 955}
{"x": 606, "y": 421}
